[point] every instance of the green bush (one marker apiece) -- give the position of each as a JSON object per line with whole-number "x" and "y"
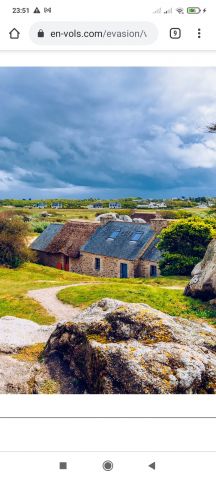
{"x": 175, "y": 214}
{"x": 175, "y": 262}
{"x": 39, "y": 227}
{"x": 13, "y": 243}
{"x": 183, "y": 245}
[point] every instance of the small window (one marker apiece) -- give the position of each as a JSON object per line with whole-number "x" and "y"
{"x": 114, "y": 234}
{"x": 136, "y": 236}
{"x": 97, "y": 263}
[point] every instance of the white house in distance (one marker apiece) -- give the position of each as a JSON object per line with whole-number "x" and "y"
{"x": 56, "y": 205}
{"x": 115, "y": 205}
{"x": 96, "y": 205}
{"x": 153, "y": 205}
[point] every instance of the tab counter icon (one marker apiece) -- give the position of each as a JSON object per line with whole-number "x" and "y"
{"x": 175, "y": 33}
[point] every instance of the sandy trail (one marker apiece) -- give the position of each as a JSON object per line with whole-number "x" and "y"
{"x": 47, "y": 297}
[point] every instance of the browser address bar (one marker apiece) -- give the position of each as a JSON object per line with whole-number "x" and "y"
{"x": 94, "y": 34}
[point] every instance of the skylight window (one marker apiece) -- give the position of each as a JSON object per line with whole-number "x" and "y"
{"x": 113, "y": 235}
{"x": 136, "y": 236}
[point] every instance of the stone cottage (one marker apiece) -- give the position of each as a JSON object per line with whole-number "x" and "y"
{"x": 117, "y": 249}
{"x": 59, "y": 245}
{"x": 122, "y": 249}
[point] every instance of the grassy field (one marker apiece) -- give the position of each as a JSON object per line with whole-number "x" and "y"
{"x": 63, "y": 215}
{"x": 154, "y": 292}
{"x": 84, "y": 214}
{"x": 14, "y": 285}
{"x": 163, "y": 293}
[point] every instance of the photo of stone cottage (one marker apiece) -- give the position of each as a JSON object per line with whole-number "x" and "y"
{"x": 115, "y": 249}
{"x": 60, "y": 244}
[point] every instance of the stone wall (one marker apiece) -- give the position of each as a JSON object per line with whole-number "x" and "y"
{"x": 158, "y": 224}
{"x": 109, "y": 267}
{"x": 144, "y": 268}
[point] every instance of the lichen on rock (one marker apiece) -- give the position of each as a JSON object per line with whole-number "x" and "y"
{"x": 118, "y": 347}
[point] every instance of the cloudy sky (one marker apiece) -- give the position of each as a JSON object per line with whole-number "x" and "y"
{"x": 107, "y": 133}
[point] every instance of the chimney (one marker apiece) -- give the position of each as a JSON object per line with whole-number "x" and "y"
{"x": 158, "y": 223}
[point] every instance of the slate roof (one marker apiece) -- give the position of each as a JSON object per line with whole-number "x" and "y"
{"x": 42, "y": 242}
{"x": 71, "y": 238}
{"x": 121, "y": 246}
{"x": 152, "y": 254}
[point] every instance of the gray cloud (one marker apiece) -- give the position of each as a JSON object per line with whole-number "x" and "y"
{"x": 107, "y": 132}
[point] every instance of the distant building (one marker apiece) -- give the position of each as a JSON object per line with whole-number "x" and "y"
{"x": 202, "y": 205}
{"x": 157, "y": 205}
{"x": 146, "y": 205}
{"x": 115, "y": 205}
{"x": 98, "y": 205}
{"x": 56, "y": 205}
{"x": 40, "y": 205}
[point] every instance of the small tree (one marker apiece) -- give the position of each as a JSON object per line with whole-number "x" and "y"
{"x": 183, "y": 245}
{"x": 13, "y": 242}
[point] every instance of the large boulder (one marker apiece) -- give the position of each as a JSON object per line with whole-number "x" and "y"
{"x": 16, "y": 333}
{"x": 203, "y": 282}
{"x": 118, "y": 347}
{"x": 19, "y": 376}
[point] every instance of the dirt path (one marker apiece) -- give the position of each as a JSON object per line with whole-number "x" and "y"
{"x": 47, "y": 297}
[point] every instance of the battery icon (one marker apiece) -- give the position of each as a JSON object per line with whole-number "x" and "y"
{"x": 193, "y": 10}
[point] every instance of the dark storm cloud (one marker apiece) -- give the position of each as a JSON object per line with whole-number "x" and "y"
{"x": 110, "y": 131}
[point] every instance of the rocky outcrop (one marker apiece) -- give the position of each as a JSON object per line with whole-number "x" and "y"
{"x": 16, "y": 333}
{"x": 203, "y": 282}
{"x": 126, "y": 348}
{"x": 22, "y": 376}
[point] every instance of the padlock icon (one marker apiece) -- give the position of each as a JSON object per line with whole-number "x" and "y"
{"x": 41, "y": 34}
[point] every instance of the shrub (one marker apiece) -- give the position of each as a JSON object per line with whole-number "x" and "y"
{"x": 39, "y": 227}
{"x": 183, "y": 245}
{"x": 175, "y": 262}
{"x": 13, "y": 243}
{"x": 175, "y": 214}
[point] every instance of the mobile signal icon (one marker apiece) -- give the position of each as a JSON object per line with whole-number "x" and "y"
{"x": 159, "y": 10}
{"x": 168, "y": 11}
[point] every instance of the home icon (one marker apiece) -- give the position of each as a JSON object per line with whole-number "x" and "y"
{"x": 14, "y": 34}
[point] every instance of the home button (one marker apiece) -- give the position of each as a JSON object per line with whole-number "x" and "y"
{"x": 108, "y": 465}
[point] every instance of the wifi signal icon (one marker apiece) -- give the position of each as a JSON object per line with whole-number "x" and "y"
{"x": 180, "y": 10}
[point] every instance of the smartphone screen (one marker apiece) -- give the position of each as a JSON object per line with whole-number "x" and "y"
{"x": 107, "y": 239}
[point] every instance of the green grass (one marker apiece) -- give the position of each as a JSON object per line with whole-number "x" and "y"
{"x": 169, "y": 301}
{"x": 173, "y": 281}
{"x": 14, "y": 285}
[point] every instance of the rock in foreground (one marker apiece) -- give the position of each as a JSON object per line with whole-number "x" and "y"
{"x": 131, "y": 348}
{"x": 203, "y": 282}
{"x": 16, "y": 333}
